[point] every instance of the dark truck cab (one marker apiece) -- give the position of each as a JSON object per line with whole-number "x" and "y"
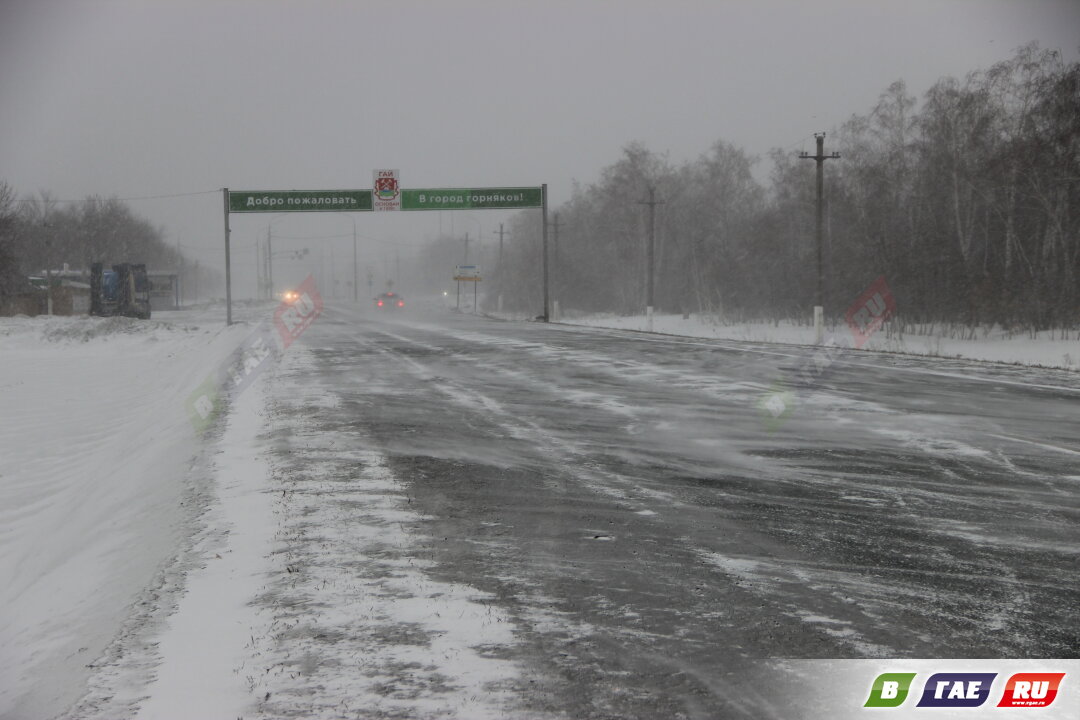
{"x": 124, "y": 290}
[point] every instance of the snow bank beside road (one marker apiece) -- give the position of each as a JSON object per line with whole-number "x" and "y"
{"x": 1046, "y": 349}
{"x": 207, "y": 641}
{"x": 95, "y": 444}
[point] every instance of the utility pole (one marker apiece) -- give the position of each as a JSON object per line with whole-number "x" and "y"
{"x": 355, "y": 268}
{"x": 179, "y": 273}
{"x": 652, "y": 202}
{"x": 48, "y": 266}
{"x": 269, "y": 262}
{"x": 498, "y": 266}
{"x": 500, "y": 244}
{"x": 555, "y": 225}
{"x": 266, "y": 271}
{"x": 820, "y": 158}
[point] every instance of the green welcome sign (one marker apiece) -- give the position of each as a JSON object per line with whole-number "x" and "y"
{"x": 299, "y": 201}
{"x": 499, "y": 198}
{"x": 472, "y": 198}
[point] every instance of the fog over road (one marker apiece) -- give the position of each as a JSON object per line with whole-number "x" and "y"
{"x": 655, "y": 540}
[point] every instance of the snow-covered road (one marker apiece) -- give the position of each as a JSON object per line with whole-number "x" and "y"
{"x": 450, "y": 516}
{"x": 651, "y": 530}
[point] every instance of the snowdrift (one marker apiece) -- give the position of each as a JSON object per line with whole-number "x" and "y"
{"x": 95, "y": 450}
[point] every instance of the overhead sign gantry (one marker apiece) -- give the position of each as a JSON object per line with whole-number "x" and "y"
{"x": 385, "y": 196}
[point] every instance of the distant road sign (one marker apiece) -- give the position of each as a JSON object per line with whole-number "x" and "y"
{"x": 467, "y": 273}
{"x": 472, "y": 198}
{"x": 299, "y": 201}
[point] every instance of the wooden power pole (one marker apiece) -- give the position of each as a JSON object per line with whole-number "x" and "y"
{"x": 652, "y": 202}
{"x": 819, "y": 308}
{"x": 501, "y": 233}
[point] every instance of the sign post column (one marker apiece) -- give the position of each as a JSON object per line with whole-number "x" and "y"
{"x": 544, "y": 206}
{"x": 228, "y": 263}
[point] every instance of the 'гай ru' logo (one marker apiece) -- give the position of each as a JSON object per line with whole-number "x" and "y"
{"x": 965, "y": 690}
{"x": 1030, "y": 690}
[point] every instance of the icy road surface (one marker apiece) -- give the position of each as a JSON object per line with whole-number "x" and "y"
{"x": 619, "y": 531}
{"x": 472, "y": 518}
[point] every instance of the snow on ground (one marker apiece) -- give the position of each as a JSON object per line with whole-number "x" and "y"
{"x": 309, "y": 596}
{"x": 207, "y": 640}
{"x": 95, "y": 447}
{"x": 349, "y": 619}
{"x": 155, "y": 572}
{"x": 1048, "y": 348}
{"x": 131, "y": 543}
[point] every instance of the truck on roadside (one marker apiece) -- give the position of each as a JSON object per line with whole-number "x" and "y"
{"x": 124, "y": 290}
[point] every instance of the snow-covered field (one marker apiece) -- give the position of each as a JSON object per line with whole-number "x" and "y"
{"x": 95, "y": 455}
{"x": 137, "y": 552}
{"x": 1047, "y": 348}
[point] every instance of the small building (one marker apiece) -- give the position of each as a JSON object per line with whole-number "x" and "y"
{"x": 69, "y": 297}
{"x": 72, "y": 298}
{"x": 25, "y": 297}
{"x": 164, "y": 290}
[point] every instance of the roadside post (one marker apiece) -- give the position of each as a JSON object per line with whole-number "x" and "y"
{"x": 547, "y": 300}
{"x": 228, "y": 266}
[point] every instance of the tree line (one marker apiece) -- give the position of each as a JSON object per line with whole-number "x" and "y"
{"x": 968, "y": 203}
{"x": 39, "y": 233}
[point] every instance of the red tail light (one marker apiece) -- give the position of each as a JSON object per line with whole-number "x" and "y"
{"x": 380, "y": 303}
{"x": 401, "y": 303}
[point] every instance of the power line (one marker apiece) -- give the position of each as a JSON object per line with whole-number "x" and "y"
{"x": 312, "y": 237}
{"x": 133, "y": 199}
{"x": 175, "y": 195}
{"x": 800, "y": 141}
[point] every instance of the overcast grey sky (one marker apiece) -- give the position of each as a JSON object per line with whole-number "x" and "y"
{"x": 163, "y": 97}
